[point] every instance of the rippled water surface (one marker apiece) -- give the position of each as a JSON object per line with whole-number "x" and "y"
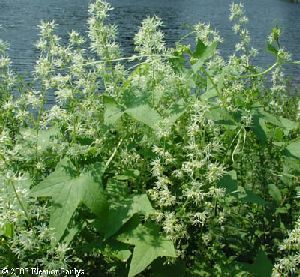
{"x": 19, "y": 19}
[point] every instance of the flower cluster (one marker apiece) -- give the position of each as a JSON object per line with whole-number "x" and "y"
{"x": 291, "y": 245}
{"x": 149, "y": 40}
{"x": 180, "y": 147}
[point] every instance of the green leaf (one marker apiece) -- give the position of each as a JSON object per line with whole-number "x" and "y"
{"x": 67, "y": 192}
{"x": 222, "y": 117}
{"x": 149, "y": 244}
{"x": 161, "y": 269}
{"x": 115, "y": 248}
{"x": 268, "y": 117}
{"x": 122, "y": 211}
{"x": 122, "y": 255}
{"x": 278, "y": 143}
{"x": 67, "y": 239}
{"x": 213, "y": 88}
{"x": 259, "y": 128}
{"x": 289, "y": 125}
{"x": 122, "y": 177}
{"x": 262, "y": 266}
{"x": 200, "y": 49}
{"x": 260, "y": 118}
{"x": 283, "y": 210}
{"x": 112, "y": 111}
{"x": 129, "y": 174}
{"x": 294, "y": 148}
{"x": 7, "y": 230}
{"x": 144, "y": 114}
{"x": 178, "y": 61}
{"x": 229, "y": 181}
{"x": 119, "y": 250}
{"x": 202, "y": 54}
{"x": 272, "y": 49}
{"x": 176, "y": 111}
{"x": 252, "y": 197}
{"x": 275, "y": 192}
{"x": 278, "y": 134}
{"x": 42, "y": 138}
{"x": 282, "y": 122}
{"x": 292, "y": 165}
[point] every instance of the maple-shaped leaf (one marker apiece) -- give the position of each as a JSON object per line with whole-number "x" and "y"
{"x": 68, "y": 191}
{"x": 294, "y": 148}
{"x": 145, "y": 114}
{"x": 149, "y": 244}
{"x": 112, "y": 111}
{"x": 262, "y": 266}
{"x": 42, "y": 138}
{"x": 122, "y": 211}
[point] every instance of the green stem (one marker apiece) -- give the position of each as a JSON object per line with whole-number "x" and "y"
{"x": 132, "y": 58}
{"x": 212, "y": 80}
{"x": 258, "y": 74}
{"x": 20, "y": 201}
{"x": 186, "y": 36}
{"x": 112, "y": 155}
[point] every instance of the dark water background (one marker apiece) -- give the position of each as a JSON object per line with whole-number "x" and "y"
{"x": 19, "y": 19}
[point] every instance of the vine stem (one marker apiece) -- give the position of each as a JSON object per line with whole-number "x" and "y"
{"x": 265, "y": 71}
{"x": 212, "y": 80}
{"x": 20, "y": 201}
{"x": 186, "y": 36}
{"x": 258, "y": 74}
{"x": 113, "y": 154}
{"x": 132, "y": 58}
{"x": 295, "y": 62}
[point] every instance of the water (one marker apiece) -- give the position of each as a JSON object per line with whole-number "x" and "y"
{"x": 19, "y": 19}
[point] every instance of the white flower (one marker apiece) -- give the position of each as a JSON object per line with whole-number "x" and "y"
{"x": 43, "y": 67}
{"x": 236, "y": 10}
{"x": 206, "y": 34}
{"x": 76, "y": 39}
{"x": 63, "y": 95}
{"x": 215, "y": 172}
{"x": 4, "y": 62}
{"x": 149, "y": 40}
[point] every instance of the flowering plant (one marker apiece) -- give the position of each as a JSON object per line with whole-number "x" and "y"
{"x": 171, "y": 160}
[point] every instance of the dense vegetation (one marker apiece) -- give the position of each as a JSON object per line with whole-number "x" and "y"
{"x": 172, "y": 162}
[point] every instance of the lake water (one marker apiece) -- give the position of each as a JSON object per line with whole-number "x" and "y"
{"x": 19, "y": 19}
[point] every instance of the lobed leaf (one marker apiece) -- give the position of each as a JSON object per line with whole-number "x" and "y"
{"x": 275, "y": 192}
{"x": 294, "y": 148}
{"x": 149, "y": 244}
{"x": 67, "y": 192}
{"x": 124, "y": 210}
{"x": 144, "y": 114}
{"x": 112, "y": 111}
{"x": 262, "y": 266}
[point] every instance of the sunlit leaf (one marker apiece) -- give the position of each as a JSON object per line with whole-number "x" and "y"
{"x": 42, "y": 138}
{"x": 122, "y": 211}
{"x": 112, "y": 111}
{"x": 272, "y": 49}
{"x": 294, "y": 148}
{"x": 7, "y": 230}
{"x": 202, "y": 54}
{"x": 144, "y": 114}
{"x": 252, "y": 197}
{"x": 212, "y": 89}
{"x": 275, "y": 192}
{"x": 67, "y": 192}
{"x": 149, "y": 244}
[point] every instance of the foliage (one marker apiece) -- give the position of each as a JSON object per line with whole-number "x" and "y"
{"x": 171, "y": 161}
